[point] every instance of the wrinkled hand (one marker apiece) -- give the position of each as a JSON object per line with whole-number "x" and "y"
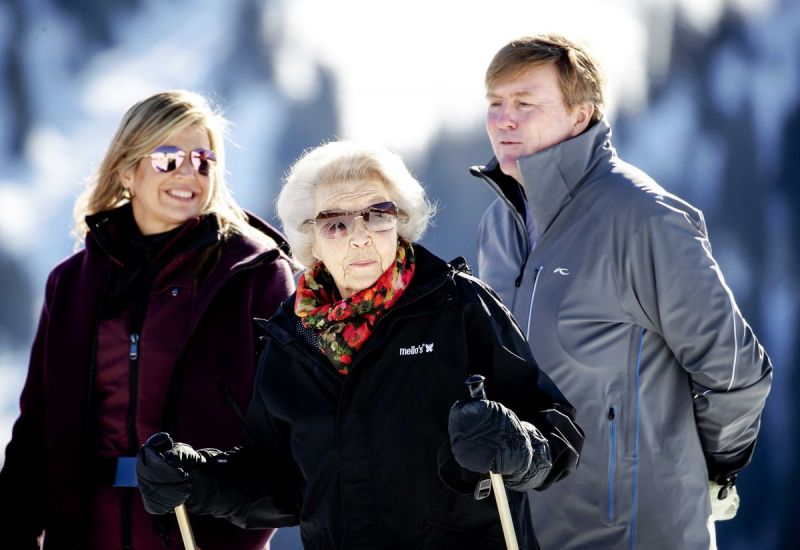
{"x": 723, "y": 508}
{"x": 485, "y": 435}
{"x": 164, "y": 471}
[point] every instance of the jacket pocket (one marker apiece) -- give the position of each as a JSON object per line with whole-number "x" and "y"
{"x": 612, "y": 454}
{"x": 435, "y": 536}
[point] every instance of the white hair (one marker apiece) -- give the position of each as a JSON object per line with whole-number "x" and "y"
{"x": 340, "y": 161}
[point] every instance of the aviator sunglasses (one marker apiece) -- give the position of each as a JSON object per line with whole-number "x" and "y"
{"x": 167, "y": 158}
{"x": 334, "y": 224}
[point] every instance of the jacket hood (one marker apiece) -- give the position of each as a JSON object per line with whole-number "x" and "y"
{"x": 270, "y": 231}
{"x": 552, "y": 177}
{"x": 109, "y": 229}
{"x": 113, "y": 230}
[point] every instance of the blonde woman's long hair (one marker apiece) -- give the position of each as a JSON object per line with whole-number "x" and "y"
{"x": 145, "y": 126}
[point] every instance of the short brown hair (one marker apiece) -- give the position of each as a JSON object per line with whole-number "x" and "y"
{"x": 579, "y": 73}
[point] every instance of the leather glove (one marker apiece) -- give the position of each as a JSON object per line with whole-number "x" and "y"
{"x": 163, "y": 469}
{"x": 724, "y": 500}
{"x": 485, "y": 435}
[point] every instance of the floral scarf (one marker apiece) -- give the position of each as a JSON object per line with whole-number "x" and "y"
{"x": 343, "y": 326}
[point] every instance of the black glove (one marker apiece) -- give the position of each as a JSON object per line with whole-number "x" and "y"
{"x": 485, "y": 435}
{"x": 164, "y": 471}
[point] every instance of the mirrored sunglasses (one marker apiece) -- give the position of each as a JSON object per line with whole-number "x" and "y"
{"x": 335, "y": 224}
{"x": 168, "y": 158}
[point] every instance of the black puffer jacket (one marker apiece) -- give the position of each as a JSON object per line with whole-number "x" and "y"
{"x": 354, "y": 459}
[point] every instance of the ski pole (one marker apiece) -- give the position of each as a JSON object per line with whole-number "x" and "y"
{"x": 477, "y": 391}
{"x": 162, "y": 445}
{"x": 185, "y": 527}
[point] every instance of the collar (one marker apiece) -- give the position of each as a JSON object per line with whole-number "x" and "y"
{"x": 431, "y": 272}
{"x": 115, "y": 232}
{"x": 551, "y": 178}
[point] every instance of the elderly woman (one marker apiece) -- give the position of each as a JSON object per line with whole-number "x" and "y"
{"x": 146, "y": 328}
{"x": 350, "y": 429}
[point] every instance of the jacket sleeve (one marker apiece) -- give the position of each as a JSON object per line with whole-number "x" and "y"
{"x": 257, "y": 485}
{"x": 22, "y": 481}
{"x": 683, "y": 297}
{"x": 275, "y": 285}
{"x": 501, "y": 353}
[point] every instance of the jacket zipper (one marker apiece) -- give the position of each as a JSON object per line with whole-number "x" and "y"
{"x": 133, "y": 356}
{"x": 612, "y": 440}
{"x": 530, "y": 306}
{"x": 127, "y": 516}
{"x": 134, "y": 340}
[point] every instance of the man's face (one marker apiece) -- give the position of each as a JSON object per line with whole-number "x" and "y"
{"x": 527, "y": 114}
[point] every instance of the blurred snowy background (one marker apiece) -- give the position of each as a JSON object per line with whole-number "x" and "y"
{"x": 703, "y": 95}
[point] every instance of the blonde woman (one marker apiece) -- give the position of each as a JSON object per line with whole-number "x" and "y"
{"x": 147, "y": 327}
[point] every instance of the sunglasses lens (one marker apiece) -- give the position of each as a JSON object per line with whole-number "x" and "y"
{"x": 166, "y": 158}
{"x": 335, "y": 227}
{"x": 381, "y": 217}
{"x": 378, "y": 217}
{"x": 202, "y": 160}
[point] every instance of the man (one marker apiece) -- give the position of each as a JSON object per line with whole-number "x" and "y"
{"x": 613, "y": 282}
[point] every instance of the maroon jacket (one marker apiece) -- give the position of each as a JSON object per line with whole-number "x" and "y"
{"x": 193, "y": 377}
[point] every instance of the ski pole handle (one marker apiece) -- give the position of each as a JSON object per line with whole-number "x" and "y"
{"x": 162, "y": 443}
{"x": 475, "y": 385}
{"x": 477, "y": 391}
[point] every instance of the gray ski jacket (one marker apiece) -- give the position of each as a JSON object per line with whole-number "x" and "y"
{"x": 627, "y": 311}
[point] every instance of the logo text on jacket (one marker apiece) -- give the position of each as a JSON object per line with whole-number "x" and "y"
{"x": 416, "y": 350}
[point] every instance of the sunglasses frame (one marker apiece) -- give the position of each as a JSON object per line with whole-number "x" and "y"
{"x": 386, "y": 207}
{"x": 198, "y": 157}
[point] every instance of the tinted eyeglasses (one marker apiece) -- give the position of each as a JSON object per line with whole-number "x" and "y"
{"x": 335, "y": 224}
{"x": 167, "y": 158}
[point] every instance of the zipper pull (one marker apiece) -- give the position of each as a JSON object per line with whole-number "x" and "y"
{"x": 611, "y": 413}
{"x": 134, "y": 350}
{"x": 518, "y": 281}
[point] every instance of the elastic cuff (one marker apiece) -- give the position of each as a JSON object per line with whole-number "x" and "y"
{"x": 541, "y": 462}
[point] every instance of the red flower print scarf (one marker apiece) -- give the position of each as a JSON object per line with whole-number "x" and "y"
{"x": 343, "y": 326}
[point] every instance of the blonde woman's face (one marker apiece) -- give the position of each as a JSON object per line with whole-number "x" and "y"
{"x": 357, "y": 259}
{"x": 165, "y": 200}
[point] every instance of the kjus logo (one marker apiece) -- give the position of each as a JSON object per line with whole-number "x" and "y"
{"x": 416, "y": 350}
{"x": 561, "y": 271}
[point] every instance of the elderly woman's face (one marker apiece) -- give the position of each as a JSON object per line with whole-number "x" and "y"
{"x": 357, "y": 259}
